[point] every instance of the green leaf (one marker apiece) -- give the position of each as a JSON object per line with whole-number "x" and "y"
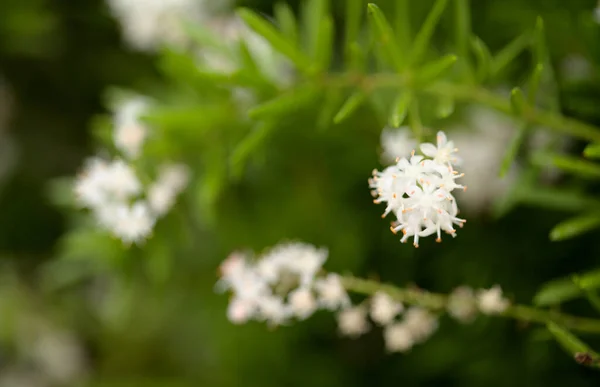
{"x": 313, "y": 12}
{"x": 589, "y": 280}
{"x": 572, "y": 345}
{"x": 592, "y": 151}
{"x": 512, "y": 150}
{"x": 287, "y": 21}
{"x": 357, "y": 58}
{"x": 385, "y": 36}
{"x": 325, "y": 47}
{"x": 557, "y": 199}
{"x": 432, "y": 71}
{"x": 352, "y": 26}
{"x": 574, "y": 227}
{"x": 285, "y": 103}
{"x": 400, "y": 110}
{"x": 590, "y": 294}
{"x": 352, "y": 103}
{"x": 423, "y": 38}
{"x": 561, "y": 290}
{"x": 276, "y": 38}
{"x": 511, "y": 51}
{"x": 414, "y": 118}
{"x": 402, "y": 24}
{"x": 582, "y": 168}
{"x": 445, "y": 107}
{"x": 539, "y": 42}
{"x": 484, "y": 58}
{"x": 247, "y": 146}
{"x": 534, "y": 83}
{"x": 557, "y": 292}
{"x": 333, "y": 98}
{"x": 517, "y": 101}
{"x": 462, "y": 25}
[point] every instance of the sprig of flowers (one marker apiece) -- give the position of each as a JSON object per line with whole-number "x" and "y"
{"x": 287, "y": 282}
{"x": 112, "y": 189}
{"x": 418, "y": 191}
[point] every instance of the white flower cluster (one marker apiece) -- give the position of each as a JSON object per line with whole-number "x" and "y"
{"x": 464, "y": 303}
{"x": 418, "y": 191}
{"x": 113, "y": 190}
{"x": 148, "y": 24}
{"x": 280, "y": 285}
{"x": 416, "y": 326}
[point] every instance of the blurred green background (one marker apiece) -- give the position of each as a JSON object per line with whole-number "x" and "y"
{"x": 57, "y": 59}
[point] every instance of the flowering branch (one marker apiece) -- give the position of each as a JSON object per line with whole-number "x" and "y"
{"x": 434, "y": 301}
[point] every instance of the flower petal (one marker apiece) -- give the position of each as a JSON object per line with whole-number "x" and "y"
{"x": 429, "y": 149}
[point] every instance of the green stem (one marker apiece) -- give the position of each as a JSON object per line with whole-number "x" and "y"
{"x": 438, "y": 302}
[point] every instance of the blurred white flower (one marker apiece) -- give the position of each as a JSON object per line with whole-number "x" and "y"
{"x": 129, "y": 131}
{"x": 279, "y": 285}
{"x": 491, "y": 301}
{"x": 384, "y": 308}
{"x": 172, "y": 179}
{"x": 398, "y": 337}
{"x": 133, "y": 224}
{"x": 420, "y": 322}
{"x": 418, "y": 191}
{"x": 352, "y": 321}
{"x": 302, "y": 302}
{"x": 149, "y": 24}
{"x": 462, "y": 304}
{"x": 482, "y": 148}
{"x": 332, "y": 294}
{"x": 397, "y": 143}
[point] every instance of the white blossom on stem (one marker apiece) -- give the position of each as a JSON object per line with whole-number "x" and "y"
{"x": 398, "y": 337}
{"x": 491, "y": 301}
{"x": 281, "y": 284}
{"x": 418, "y": 191}
{"x": 384, "y": 308}
{"x": 462, "y": 304}
{"x": 352, "y": 321}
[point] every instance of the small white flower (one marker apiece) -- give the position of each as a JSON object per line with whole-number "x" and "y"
{"x": 462, "y": 304}
{"x": 302, "y": 302}
{"x": 133, "y": 223}
{"x": 240, "y": 310}
{"x": 384, "y": 308}
{"x": 130, "y": 132}
{"x": 331, "y": 293}
{"x": 421, "y": 323}
{"x": 273, "y": 309}
{"x": 353, "y": 321}
{"x": 491, "y": 301}
{"x": 398, "y": 337}
{"x": 121, "y": 181}
{"x": 397, "y": 143}
{"x": 445, "y": 151}
{"x": 91, "y": 183}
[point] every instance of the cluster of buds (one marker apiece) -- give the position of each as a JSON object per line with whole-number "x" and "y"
{"x": 280, "y": 285}
{"x": 418, "y": 191}
{"x": 113, "y": 190}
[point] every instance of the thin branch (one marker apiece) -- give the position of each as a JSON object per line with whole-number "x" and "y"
{"x": 438, "y": 302}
